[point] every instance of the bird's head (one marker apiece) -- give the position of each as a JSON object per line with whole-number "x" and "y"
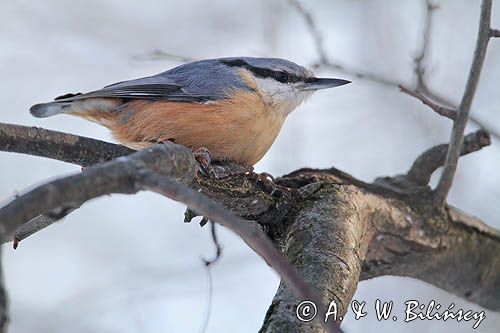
{"x": 282, "y": 83}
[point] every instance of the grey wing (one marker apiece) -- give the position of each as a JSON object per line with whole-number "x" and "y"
{"x": 158, "y": 87}
{"x": 197, "y": 81}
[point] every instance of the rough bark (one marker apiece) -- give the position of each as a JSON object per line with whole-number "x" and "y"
{"x": 326, "y": 240}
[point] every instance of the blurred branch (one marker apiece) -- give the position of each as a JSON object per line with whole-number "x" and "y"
{"x": 325, "y": 61}
{"x": 425, "y": 165}
{"x": 457, "y": 134}
{"x": 421, "y": 88}
{"x": 441, "y": 110}
{"x": 218, "y": 247}
{"x": 494, "y": 33}
{"x": 162, "y": 55}
{"x": 4, "y": 317}
{"x": 315, "y": 32}
{"x": 419, "y": 68}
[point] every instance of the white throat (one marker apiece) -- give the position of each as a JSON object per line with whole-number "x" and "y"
{"x": 281, "y": 97}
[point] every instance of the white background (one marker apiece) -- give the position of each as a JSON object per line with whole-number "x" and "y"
{"x": 129, "y": 263}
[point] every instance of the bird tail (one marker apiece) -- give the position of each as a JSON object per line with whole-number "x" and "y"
{"x": 48, "y": 109}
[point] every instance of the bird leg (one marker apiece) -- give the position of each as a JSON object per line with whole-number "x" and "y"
{"x": 203, "y": 156}
{"x": 218, "y": 170}
{"x": 265, "y": 180}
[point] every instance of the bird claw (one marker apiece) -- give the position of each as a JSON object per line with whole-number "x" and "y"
{"x": 265, "y": 180}
{"x": 204, "y": 158}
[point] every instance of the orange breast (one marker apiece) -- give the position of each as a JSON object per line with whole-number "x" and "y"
{"x": 241, "y": 128}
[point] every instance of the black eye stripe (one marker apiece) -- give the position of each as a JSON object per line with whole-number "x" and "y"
{"x": 262, "y": 72}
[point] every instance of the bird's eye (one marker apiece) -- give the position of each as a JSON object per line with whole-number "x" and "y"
{"x": 281, "y": 77}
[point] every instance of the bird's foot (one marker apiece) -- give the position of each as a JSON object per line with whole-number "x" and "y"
{"x": 264, "y": 180}
{"x": 218, "y": 169}
{"x": 204, "y": 158}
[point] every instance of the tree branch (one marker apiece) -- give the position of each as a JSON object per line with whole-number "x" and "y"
{"x": 326, "y": 242}
{"x": 494, "y": 33}
{"x": 441, "y": 110}
{"x": 158, "y": 54}
{"x": 462, "y": 258}
{"x": 150, "y": 169}
{"x": 457, "y": 134}
{"x": 425, "y": 165}
{"x": 56, "y": 145}
{"x": 35, "y": 225}
{"x": 419, "y": 68}
{"x": 315, "y": 32}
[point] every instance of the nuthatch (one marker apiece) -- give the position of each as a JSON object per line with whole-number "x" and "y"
{"x": 234, "y": 107}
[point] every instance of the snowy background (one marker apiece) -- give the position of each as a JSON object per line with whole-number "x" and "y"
{"x": 128, "y": 263}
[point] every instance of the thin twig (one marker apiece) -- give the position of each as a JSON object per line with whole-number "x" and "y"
{"x": 218, "y": 247}
{"x": 441, "y": 110}
{"x": 425, "y": 165}
{"x": 35, "y": 225}
{"x": 208, "y": 312}
{"x": 315, "y": 32}
{"x": 457, "y": 134}
{"x": 208, "y": 266}
{"x": 419, "y": 68}
{"x": 162, "y": 55}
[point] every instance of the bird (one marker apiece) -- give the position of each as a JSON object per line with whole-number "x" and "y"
{"x": 233, "y": 108}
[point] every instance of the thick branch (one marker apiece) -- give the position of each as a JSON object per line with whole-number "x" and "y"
{"x": 387, "y": 236}
{"x": 457, "y": 134}
{"x": 111, "y": 177}
{"x": 461, "y": 259}
{"x": 413, "y": 238}
{"x": 56, "y": 145}
{"x": 326, "y": 241}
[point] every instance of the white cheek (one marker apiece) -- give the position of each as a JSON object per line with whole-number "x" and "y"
{"x": 283, "y": 98}
{"x": 291, "y": 100}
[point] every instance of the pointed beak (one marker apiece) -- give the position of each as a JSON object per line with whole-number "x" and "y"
{"x": 323, "y": 83}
